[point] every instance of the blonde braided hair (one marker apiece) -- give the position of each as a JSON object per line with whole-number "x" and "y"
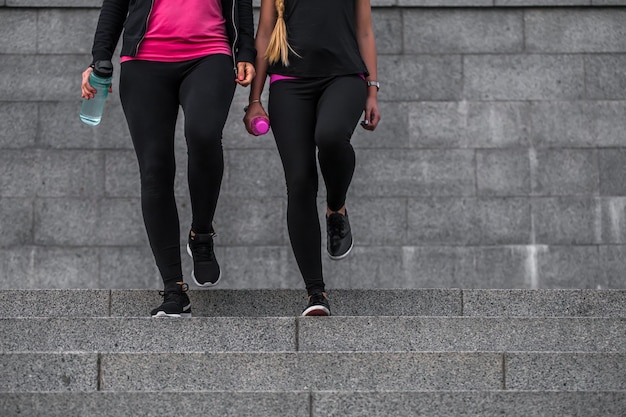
{"x": 278, "y": 47}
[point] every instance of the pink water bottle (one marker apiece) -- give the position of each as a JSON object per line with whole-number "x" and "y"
{"x": 260, "y": 125}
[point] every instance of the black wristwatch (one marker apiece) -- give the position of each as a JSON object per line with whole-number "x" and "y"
{"x": 375, "y": 84}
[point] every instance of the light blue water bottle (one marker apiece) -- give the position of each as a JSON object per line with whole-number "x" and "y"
{"x": 100, "y": 79}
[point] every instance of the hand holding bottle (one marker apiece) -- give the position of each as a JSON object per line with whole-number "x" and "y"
{"x": 256, "y": 120}
{"x": 95, "y": 88}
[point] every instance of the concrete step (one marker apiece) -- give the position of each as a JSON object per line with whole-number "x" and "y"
{"x": 314, "y": 371}
{"x": 315, "y": 404}
{"x": 289, "y": 303}
{"x": 329, "y": 334}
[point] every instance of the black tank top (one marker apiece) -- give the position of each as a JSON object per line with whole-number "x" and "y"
{"x": 323, "y": 33}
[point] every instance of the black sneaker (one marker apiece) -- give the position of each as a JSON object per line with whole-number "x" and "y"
{"x": 176, "y": 303}
{"x": 339, "y": 242}
{"x": 206, "y": 271}
{"x": 318, "y": 305}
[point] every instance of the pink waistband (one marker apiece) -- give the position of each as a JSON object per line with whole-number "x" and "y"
{"x": 278, "y": 77}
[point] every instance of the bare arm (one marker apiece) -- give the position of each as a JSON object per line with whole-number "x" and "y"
{"x": 367, "y": 48}
{"x": 267, "y": 20}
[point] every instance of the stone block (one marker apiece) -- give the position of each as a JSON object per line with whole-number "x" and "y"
{"x": 570, "y": 267}
{"x": 128, "y": 267}
{"x": 543, "y": 3}
{"x": 453, "y": 334}
{"x": 387, "y": 25}
{"x": 612, "y": 165}
{"x": 499, "y": 267}
{"x": 435, "y": 267}
{"x": 60, "y": 128}
{"x": 575, "y": 30}
{"x": 263, "y": 221}
{"x": 565, "y": 172}
{"x": 393, "y": 131}
{"x": 613, "y": 220}
{"x": 523, "y": 77}
{"x": 54, "y": 3}
{"x": 16, "y": 226}
{"x": 93, "y": 222}
{"x": 445, "y": 3}
{"x": 566, "y": 371}
{"x": 463, "y": 31}
{"x": 544, "y": 303}
{"x": 260, "y": 267}
{"x": 282, "y": 371}
{"x": 18, "y": 30}
{"x": 416, "y": 173}
{"x": 420, "y": 77}
{"x": 54, "y": 303}
{"x": 64, "y": 267}
{"x": 468, "y": 124}
{"x": 121, "y": 174}
{"x": 468, "y": 221}
{"x": 22, "y": 79}
{"x": 503, "y": 172}
{"x": 63, "y": 31}
{"x": 18, "y": 129}
{"x": 190, "y": 404}
{"x": 485, "y": 403}
{"x": 290, "y": 302}
{"x": 16, "y": 267}
{"x": 70, "y": 173}
{"x": 18, "y": 173}
{"x": 254, "y": 173}
{"x": 613, "y": 262}
{"x": 579, "y": 124}
{"x": 567, "y": 220}
{"x": 375, "y": 221}
{"x": 146, "y": 334}
{"x": 32, "y": 372}
{"x": 605, "y": 78}
{"x": 367, "y": 267}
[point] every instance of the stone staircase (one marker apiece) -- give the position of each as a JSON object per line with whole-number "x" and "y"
{"x": 431, "y": 352}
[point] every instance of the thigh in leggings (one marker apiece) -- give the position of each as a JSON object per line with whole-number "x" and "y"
{"x": 292, "y": 107}
{"x": 149, "y": 95}
{"x": 305, "y": 115}
{"x": 338, "y": 111}
{"x": 206, "y": 94}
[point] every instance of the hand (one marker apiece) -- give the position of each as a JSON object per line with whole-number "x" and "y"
{"x": 245, "y": 73}
{"x": 87, "y": 91}
{"x": 254, "y": 110}
{"x": 372, "y": 115}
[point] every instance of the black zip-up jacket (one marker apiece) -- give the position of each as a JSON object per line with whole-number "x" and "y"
{"x": 132, "y": 17}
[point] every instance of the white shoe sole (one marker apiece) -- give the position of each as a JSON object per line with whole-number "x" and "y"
{"x": 164, "y": 314}
{"x": 319, "y": 311}
{"x": 340, "y": 257}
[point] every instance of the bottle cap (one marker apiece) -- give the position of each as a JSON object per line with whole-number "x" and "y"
{"x": 103, "y": 69}
{"x": 261, "y": 125}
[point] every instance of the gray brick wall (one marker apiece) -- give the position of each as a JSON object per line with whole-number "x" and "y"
{"x": 499, "y": 162}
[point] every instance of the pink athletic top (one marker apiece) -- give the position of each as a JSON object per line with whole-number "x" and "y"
{"x": 180, "y": 32}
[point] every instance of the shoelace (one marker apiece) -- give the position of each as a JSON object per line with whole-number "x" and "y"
{"x": 202, "y": 251}
{"x": 336, "y": 226}
{"x": 173, "y": 295}
{"x": 317, "y": 298}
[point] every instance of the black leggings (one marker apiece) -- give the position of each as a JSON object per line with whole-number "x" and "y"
{"x": 310, "y": 114}
{"x": 151, "y": 93}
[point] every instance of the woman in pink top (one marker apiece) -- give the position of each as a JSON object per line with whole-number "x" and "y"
{"x": 174, "y": 55}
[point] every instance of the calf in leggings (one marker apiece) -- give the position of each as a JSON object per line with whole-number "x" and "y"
{"x": 321, "y": 60}
{"x": 171, "y": 57}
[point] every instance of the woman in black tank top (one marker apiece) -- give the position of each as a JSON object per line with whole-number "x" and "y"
{"x": 321, "y": 59}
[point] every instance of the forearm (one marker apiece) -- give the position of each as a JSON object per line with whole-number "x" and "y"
{"x": 110, "y": 24}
